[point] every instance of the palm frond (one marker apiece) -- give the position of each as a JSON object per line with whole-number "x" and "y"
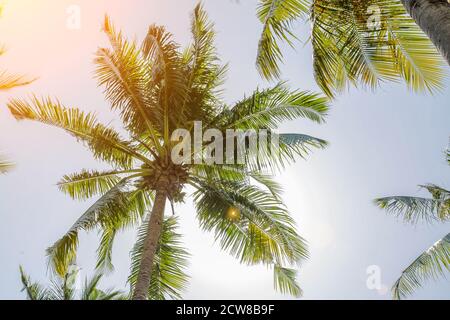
{"x": 266, "y": 109}
{"x": 9, "y": 81}
{"x": 112, "y": 206}
{"x": 264, "y": 232}
{"x": 104, "y": 142}
{"x": 167, "y": 73}
{"x": 125, "y": 76}
{"x": 429, "y": 265}
{"x": 87, "y": 184}
{"x": 285, "y": 281}
{"x": 415, "y": 209}
{"x": 277, "y": 17}
{"x": 169, "y": 277}
{"x": 139, "y": 203}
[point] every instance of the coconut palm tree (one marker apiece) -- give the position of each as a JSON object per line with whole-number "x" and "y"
{"x": 63, "y": 288}
{"x": 354, "y": 42}
{"x": 157, "y": 88}
{"x": 436, "y": 260}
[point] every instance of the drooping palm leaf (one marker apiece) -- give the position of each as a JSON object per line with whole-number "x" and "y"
{"x": 429, "y": 265}
{"x": 415, "y": 209}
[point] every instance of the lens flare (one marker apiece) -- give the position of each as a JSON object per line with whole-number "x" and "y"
{"x": 233, "y": 214}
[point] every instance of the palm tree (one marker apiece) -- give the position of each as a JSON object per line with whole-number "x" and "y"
{"x": 354, "y": 42}
{"x": 158, "y": 88}
{"x": 433, "y": 262}
{"x": 63, "y": 288}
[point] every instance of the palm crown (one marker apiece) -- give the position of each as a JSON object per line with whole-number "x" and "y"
{"x": 158, "y": 88}
{"x": 436, "y": 260}
{"x": 353, "y": 41}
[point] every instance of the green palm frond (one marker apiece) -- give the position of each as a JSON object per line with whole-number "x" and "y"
{"x": 429, "y": 265}
{"x": 139, "y": 203}
{"x": 415, "y": 209}
{"x": 111, "y": 207}
{"x": 264, "y": 232}
{"x": 277, "y": 17}
{"x": 87, "y": 184}
{"x": 126, "y": 79}
{"x": 167, "y": 72}
{"x": 206, "y": 75}
{"x": 359, "y": 42}
{"x": 169, "y": 277}
{"x": 285, "y": 281}
{"x": 90, "y": 290}
{"x": 104, "y": 142}
{"x": 266, "y": 109}
{"x": 34, "y": 290}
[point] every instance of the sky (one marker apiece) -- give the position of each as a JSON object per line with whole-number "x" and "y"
{"x": 382, "y": 143}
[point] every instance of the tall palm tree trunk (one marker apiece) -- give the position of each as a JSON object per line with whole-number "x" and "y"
{"x": 433, "y": 17}
{"x": 150, "y": 245}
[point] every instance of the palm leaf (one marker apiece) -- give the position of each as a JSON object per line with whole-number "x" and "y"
{"x": 415, "y": 209}
{"x": 429, "y": 265}
{"x": 105, "y": 143}
{"x": 112, "y": 206}
{"x": 277, "y": 17}
{"x": 34, "y": 290}
{"x": 169, "y": 278}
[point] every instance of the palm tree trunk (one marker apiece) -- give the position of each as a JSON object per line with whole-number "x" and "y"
{"x": 150, "y": 245}
{"x": 433, "y": 17}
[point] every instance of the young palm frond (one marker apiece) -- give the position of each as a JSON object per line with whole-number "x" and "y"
{"x": 354, "y": 42}
{"x": 157, "y": 88}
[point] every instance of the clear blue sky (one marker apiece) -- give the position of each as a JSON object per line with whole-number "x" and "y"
{"x": 381, "y": 143}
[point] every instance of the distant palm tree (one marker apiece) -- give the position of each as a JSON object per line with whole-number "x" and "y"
{"x": 64, "y": 289}
{"x": 354, "y": 42}
{"x": 433, "y": 262}
{"x": 157, "y": 88}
